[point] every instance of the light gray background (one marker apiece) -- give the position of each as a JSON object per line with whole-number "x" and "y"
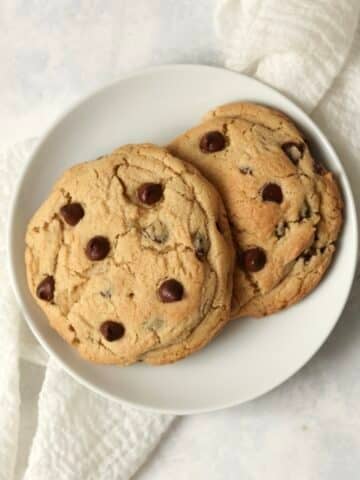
{"x": 51, "y": 53}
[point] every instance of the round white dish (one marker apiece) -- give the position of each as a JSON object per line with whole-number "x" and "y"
{"x": 251, "y": 356}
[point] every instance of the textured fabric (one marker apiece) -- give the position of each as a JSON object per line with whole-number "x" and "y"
{"x": 10, "y": 165}
{"x": 81, "y": 435}
{"x": 296, "y": 46}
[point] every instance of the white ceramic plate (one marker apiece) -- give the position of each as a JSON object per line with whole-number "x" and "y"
{"x": 250, "y": 357}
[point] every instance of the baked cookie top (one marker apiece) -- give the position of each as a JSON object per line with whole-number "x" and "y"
{"x": 285, "y": 209}
{"x": 131, "y": 257}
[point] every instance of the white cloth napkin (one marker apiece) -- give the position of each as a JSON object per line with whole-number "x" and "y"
{"x": 308, "y": 49}
{"x": 297, "y": 46}
{"x": 80, "y": 435}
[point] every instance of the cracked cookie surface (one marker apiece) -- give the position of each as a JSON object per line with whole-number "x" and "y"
{"x": 284, "y": 207}
{"x": 131, "y": 258}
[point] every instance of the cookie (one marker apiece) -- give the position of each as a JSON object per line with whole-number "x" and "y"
{"x": 131, "y": 258}
{"x": 284, "y": 207}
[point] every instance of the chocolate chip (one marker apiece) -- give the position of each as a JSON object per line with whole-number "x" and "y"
{"x": 294, "y": 151}
{"x": 112, "y": 330}
{"x": 106, "y": 293}
{"x": 201, "y": 245}
{"x": 212, "y": 142}
{"x": 150, "y": 193}
{"x": 97, "y": 248}
{"x": 271, "y": 192}
{"x": 171, "y": 291}
{"x": 305, "y": 210}
{"x": 246, "y": 170}
{"x": 318, "y": 168}
{"x": 72, "y": 213}
{"x": 156, "y": 231}
{"x": 153, "y": 324}
{"x": 253, "y": 259}
{"x": 45, "y": 289}
{"x": 308, "y": 253}
{"x": 280, "y": 229}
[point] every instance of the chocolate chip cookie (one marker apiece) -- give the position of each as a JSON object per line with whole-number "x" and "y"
{"x": 284, "y": 207}
{"x": 131, "y": 258}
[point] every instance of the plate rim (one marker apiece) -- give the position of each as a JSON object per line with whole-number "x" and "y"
{"x": 350, "y": 205}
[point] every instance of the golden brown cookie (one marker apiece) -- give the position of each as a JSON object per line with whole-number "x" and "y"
{"x": 131, "y": 258}
{"x": 285, "y": 209}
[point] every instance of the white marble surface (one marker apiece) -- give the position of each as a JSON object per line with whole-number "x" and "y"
{"x": 51, "y": 53}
